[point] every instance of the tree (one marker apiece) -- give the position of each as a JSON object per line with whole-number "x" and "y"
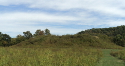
{"x": 13, "y": 41}
{"x": 39, "y": 32}
{"x": 27, "y": 34}
{"x": 5, "y": 40}
{"x": 120, "y": 40}
{"x": 20, "y": 38}
{"x": 47, "y": 32}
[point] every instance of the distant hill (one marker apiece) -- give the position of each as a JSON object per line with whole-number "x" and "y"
{"x": 112, "y": 31}
{"x": 117, "y": 33}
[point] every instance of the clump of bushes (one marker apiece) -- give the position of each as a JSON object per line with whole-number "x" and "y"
{"x": 119, "y": 54}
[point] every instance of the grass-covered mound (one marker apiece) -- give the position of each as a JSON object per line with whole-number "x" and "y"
{"x": 86, "y": 40}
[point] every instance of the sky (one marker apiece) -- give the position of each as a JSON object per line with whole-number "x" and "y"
{"x": 59, "y": 16}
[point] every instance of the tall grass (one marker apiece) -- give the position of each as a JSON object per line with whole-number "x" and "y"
{"x": 49, "y": 56}
{"x": 119, "y": 54}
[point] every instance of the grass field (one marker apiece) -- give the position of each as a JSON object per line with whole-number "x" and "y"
{"x": 119, "y": 54}
{"x": 49, "y": 56}
{"x": 108, "y": 60}
{"x": 73, "y": 56}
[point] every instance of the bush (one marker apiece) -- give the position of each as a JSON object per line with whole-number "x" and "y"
{"x": 119, "y": 54}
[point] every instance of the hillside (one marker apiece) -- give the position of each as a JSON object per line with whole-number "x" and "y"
{"x": 86, "y": 40}
{"x": 111, "y": 31}
{"x": 116, "y": 33}
{"x": 44, "y": 49}
{"x": 96, "y": 38}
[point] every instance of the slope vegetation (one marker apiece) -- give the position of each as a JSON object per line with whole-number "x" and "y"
{"x": 86, "y": 40}
{"x": 117, "y": 34}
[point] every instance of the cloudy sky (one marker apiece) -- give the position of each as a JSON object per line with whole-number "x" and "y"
{"x": 59, "y": 16}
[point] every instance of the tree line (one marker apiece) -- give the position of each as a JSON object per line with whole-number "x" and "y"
{"x": 113, "y": 34}
{"x": 6, "y": 40}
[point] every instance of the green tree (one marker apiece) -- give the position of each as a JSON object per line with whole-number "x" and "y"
{"x": 39, "y": 32}
{"x": 5, "y": 40}
{"x": 47, "y": 32}
{"x": 119, "y": 40}
{"x": 13, "y": 41}
{"x": 27, "y": 34}
{"x": 20, "y": 38}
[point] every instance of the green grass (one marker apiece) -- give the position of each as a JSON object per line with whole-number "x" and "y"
{"x": 86, "y": 40}
{"x": 108, "y": 60}
{"x": 119, "y": 54}
{"x": 49, "y": 56}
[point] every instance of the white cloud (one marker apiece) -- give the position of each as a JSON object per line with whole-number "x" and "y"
{"x": 103, "y": 6}
{"x": 116, "y": 23}
{"x": 15, "y": 23}
{"x": 79, "y": 12}
{"x": 23, "y": 16}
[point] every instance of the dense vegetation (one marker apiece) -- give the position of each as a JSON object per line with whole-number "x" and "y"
{"x": 116, "y": 33}
{"x": 49, "y": 57}
{"x": 5, "y": 40}
{"x": 119, "y": 54}
{"x": 96, "y": 37}
{"x": 45, "y": 49}
{"x": 86, "y": 40}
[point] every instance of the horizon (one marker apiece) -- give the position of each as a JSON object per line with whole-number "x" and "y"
{"x": 61, "y": 34}
{"x": 60, "y": 17}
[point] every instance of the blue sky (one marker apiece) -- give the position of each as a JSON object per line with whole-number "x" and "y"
{"x": 59, "y": 16}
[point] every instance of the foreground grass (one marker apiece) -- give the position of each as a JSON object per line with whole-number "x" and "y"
{"x": 108, "y": 60}
{"x": 49, "y": 57}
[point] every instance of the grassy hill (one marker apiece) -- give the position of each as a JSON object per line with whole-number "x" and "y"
{"x": 86, "y": 40}
{"x": 44, "y": 49}
{"x": 112, "y": 37}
